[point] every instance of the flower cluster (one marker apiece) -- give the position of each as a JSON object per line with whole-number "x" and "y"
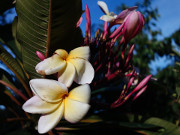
{"x": 110, "y": 61}
{"x": 51, "y": 98}
{"x": 112, "y": 54}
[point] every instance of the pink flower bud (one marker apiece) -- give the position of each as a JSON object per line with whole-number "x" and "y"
{"x": 79, "y": 22}
{"x": 133, "y": 25}
{"x": 131, "y": 22}
{"x": 142, "y": 83}
{"x": 40, "y": 55}
{"x": 123, "y": 15}
{"x": 140, "y": 92}
{"x": 88, "y": 21}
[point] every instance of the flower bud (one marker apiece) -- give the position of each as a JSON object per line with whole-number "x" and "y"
{"x": 133, "y": 25}
{"x": 40, "y": 55}
{"x": 79, "y": 22}
{"x": 88, "y": 21}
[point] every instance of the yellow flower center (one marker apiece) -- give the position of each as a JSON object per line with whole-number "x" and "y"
{"x": 65, "y": 95}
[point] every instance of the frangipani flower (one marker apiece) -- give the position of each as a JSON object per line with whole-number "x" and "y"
{"x": 53, "y": 101}
{"x": 108, "y": 17}
{"x": 73, "y": 66}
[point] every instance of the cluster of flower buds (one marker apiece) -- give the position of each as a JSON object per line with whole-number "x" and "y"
{"x": 125, "y": 94}
{"x": 111, "y": 55}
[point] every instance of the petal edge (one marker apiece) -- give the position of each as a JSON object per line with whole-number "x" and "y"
{"x": 36, "y": 105}
{"x": 49, "y": 121}
{"x": 81, "y": 93}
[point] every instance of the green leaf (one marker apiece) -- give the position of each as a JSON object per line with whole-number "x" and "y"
{"x": 11, "y": 63}
{"x": 16, "y": 47}
{"x": 106, "y": 127}
{"x": 46, "y": 25}
{"x": 15, "y": 67}
{"x": 169, "y": 128}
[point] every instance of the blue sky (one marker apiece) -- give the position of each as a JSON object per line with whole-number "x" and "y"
{"x": 168, "y": 22}
{"x": 169, "y": 11}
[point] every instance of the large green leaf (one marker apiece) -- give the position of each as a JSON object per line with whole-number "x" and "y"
{"x": 46, "y": 25}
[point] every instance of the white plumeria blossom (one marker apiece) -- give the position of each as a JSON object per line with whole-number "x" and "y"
{"x": 53, "y": 101}
{"x": 70, "y": 67}
{"x": 108, "y": 17}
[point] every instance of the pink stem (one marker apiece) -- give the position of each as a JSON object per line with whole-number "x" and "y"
{"x": 129, "y": 55}
{"x": 117, "y": 31}
{"x": 105, "y": 30}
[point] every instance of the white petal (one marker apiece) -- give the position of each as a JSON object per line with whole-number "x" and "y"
{"x": 81, "y": 93}
{"x": 49, "y": 121}
{"x": 50, "y": 65}
{"x": 74, "y": 110}
{"x": 67, "y": 76}
{"x": 48, "y": 90}
{"x": 103, "y": 6}
{"x": 107, "y": 18}
{"x": 39, "y": 106}
{"x": 84, "y": 70}
{"x": 80, "y": 52}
